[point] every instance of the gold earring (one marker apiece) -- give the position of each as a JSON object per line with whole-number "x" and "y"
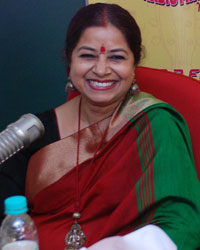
{"x": 69, "y": 86}
{"x": 134, "y": 88}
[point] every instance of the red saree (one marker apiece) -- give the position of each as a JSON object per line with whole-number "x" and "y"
{"x": 125, "y": 187}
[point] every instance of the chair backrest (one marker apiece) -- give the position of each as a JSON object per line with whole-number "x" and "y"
{"x": 182, "y": 92}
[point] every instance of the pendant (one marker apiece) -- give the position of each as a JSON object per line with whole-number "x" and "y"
{"x": 75, "y": 238}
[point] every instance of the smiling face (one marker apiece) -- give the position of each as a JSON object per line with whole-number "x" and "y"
{"x": 102, "y": 65}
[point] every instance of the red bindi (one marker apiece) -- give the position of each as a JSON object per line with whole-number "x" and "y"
{"x": 102, "y": 49}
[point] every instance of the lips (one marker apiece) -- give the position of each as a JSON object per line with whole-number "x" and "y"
{"x": 101, "y": 85}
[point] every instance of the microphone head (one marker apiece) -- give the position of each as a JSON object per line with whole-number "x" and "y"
{"x": 19, "y": 135}
{"x": 28, "y": 128}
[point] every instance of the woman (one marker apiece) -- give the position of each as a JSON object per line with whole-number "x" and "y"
{"x": 113, "y": 159}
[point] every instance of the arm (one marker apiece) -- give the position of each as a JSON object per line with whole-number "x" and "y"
{"x": 176, "y": 188}
{"x": 170, "y": 178}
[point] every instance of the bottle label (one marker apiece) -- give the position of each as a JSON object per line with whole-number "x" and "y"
{"x": 21, "y": 245}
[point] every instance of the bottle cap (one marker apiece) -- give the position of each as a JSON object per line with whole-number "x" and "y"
{"x": 15, "y": 205}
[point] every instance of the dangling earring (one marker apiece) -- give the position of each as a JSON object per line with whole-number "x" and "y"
{"x": 134, "y": 88}
{"x": 69, "y": 86}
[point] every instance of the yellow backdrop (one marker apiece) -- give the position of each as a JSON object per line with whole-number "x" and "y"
{"x": 170, "y": 31}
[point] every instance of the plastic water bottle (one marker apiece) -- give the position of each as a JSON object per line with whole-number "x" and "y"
{"x": 18, "y": 231}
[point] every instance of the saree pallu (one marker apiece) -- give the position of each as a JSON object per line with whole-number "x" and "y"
{"x": 144, "y": 173}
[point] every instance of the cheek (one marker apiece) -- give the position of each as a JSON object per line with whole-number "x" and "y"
{"x": 79, "y": 69}
{"x": 126, "y": 73}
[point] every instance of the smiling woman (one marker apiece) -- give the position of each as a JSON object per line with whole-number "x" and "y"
{"x": 102, "y": 78}
{"x": 113, "y": 159}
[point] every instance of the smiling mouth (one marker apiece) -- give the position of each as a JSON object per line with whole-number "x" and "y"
{"x": 101, "y": 85}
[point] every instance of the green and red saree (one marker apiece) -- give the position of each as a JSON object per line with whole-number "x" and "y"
{"x": 144, "y": 173}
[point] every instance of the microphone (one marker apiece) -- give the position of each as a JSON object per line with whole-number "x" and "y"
{"x": 19, "y": 135}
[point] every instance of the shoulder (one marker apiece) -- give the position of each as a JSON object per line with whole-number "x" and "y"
{"x": 51, "y": 134}
{"x": 165, "y": 115}
{"x": 168, "y": 128}
{"x": 155, "y": 109}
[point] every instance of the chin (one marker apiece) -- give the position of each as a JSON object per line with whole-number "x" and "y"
{"x": 104, "y": 100}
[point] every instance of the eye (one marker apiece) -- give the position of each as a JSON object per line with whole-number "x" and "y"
{"x": 87, "y": 56}
{"x": 117, "y": 57}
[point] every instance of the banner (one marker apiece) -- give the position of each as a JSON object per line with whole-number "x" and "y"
{"x": 170, "y": 31}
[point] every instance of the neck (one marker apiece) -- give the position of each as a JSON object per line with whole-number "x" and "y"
{"x": 92, "y": 113}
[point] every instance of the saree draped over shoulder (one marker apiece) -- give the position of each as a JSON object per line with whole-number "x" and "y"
{"x": 143, "y": 173}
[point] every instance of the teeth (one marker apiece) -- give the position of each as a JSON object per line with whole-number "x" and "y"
{"x": 101, "y": 84}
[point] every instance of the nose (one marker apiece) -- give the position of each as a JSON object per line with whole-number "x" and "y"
{"x": 101, "y": 67}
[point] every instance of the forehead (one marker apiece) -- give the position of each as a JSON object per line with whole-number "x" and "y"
{"x": 109, "y": 36}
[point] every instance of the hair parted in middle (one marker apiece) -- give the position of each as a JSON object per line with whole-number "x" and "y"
{"x": 100, "y": 15}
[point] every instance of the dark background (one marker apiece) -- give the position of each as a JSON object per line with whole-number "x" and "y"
{"x": 32, "y": 70}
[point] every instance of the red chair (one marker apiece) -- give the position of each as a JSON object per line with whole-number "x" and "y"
{"x": 182, "y": 92}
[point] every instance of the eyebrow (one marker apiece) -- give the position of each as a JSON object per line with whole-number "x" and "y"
{"x": 118, "y": 50}
{"x": 110, "y": 51}
{"x": 87, "y": 48}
